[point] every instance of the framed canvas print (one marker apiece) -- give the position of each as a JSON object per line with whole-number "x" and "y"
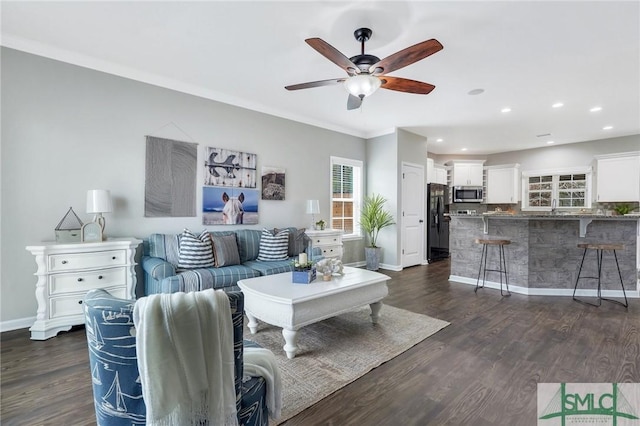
{"x": 225, "y": 167}
{"x": 229, "y": 206}
{"x": 273, "y": 183}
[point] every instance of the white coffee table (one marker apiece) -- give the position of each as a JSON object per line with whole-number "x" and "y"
{"x": 275, "y": 300}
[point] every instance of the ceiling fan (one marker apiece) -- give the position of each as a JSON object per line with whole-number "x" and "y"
{"x": 367, "y": 73}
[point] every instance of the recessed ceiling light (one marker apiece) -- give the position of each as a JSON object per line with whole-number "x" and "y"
{"x": 557, "y": 105}
{"x": 550, "y": 142}
{"x": 463, "y": 149}
{"x": 476, "y": 92}
{"x": 506, "y": 109}
{"x": 596, "y": 109}
{"x": 607, "y": 128}
{"x": 439, "y": 140}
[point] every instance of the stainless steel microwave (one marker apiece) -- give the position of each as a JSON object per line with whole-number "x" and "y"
{"x": 467, "y": 194}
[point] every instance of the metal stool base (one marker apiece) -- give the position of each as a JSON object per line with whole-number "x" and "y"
{"x": 599, "y": 253}
{"x": 502, "y": 265}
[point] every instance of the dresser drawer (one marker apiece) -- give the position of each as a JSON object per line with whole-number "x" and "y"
{"x": 326, "y": 240}
{"x": 332, "y": 251}
{"x": 85, "y": 281}
{"x": 74, "y": 261}
{"x": 72, "y": 304}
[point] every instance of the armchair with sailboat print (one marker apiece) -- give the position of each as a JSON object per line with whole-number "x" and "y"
{"x": 113, "y": 359}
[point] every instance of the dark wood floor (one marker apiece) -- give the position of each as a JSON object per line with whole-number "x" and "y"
{"x": 481, "y": 370}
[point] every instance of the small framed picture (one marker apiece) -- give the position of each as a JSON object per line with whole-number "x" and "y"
{"x": 91, "y": 232}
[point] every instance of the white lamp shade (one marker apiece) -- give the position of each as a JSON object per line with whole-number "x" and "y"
{"x": 99, "y": 201}
{"x": 313, "y": 206}
{"x": 362, "y": 85}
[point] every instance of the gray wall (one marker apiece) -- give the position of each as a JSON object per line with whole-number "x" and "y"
{"x": 551, "y": 157}
{"x": 382, "y": 178}
{"x": 568, "y": 155}
{"x": 67, "y": 129}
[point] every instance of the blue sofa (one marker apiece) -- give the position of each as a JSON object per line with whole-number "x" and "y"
{"x": 161, "y": 253}
{"x": 117, "y": 391}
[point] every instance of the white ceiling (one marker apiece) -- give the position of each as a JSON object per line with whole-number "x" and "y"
{"x": 525, "y": 55}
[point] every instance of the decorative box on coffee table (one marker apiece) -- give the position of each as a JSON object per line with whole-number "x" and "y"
{"x": 303, "y": 277}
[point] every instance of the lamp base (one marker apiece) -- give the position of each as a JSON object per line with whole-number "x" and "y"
{"x": 100, "y": 220}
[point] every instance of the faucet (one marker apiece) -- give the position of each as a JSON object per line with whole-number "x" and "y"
{"x": 553, "y": 206}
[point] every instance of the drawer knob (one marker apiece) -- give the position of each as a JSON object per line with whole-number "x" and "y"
{"x": 64, "y": 262}
{"x": 99, "y": 277}
{"x": 79, "y": 302}
{"x": 80, "y": 279}
{"x": 114, "y": 258}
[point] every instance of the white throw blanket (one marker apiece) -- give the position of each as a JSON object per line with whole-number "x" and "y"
{"x": 184, "y": 344}
{"x": 262, "y": 362}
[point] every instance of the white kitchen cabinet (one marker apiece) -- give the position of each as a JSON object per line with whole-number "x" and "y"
{"x": 440, "y": 172}
{"x": 618, "y": 177}
{"x": 436, "y": 173}
{"x": 66, "y": 271}
{"x": 329, "y": 241}
{"x": 431, "y": 172}
{"x": 503, "y": 184}
{"x": 467, "y": 173}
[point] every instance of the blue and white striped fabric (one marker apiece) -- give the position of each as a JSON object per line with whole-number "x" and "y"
{"x": 196, "y": 251}
{"x": 274, "y": 247}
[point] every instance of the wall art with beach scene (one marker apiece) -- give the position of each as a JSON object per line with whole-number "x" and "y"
{"x": 229, "y": 206}
{"x": 226, "y": 167}
{"x": 273, "y": 183}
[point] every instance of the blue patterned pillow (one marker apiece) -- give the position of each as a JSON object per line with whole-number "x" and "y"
{"x": 195, "y": 251}
{"x": 274, "y": 246}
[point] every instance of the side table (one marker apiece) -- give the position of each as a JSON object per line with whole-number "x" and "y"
{"x": 327, "y": 240}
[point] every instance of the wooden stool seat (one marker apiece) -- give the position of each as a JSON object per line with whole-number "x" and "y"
{"x": 493, "y": 242}
{"x": 597, "y": 246}
{"x": 600, "y": 249}
{"x": 501, "y": 269}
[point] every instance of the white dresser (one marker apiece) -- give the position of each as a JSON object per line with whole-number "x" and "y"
{"x": 328, "y": 240}
{"x": 66, "y": 271}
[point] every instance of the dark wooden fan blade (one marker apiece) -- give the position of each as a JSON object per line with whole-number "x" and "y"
{"x": 353, "y": 102}
{"x": 333, "y": 54}
{"x": 406, "y": 57}
{"x": 405, "y": 85}
{"x": 315, "y": 84}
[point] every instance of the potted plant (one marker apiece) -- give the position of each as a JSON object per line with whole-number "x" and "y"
{"x": 320, "y": 225}
{"x": 373, "y": 218}
{"x": 623, "y": 209}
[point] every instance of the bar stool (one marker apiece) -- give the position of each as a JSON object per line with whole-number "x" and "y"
{"x": 502, "y": 263}
{"x": 600, "y": 249}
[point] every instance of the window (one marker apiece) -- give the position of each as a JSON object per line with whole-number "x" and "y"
{"x": 346, "y": 195}
{"x": 570, "y": 189}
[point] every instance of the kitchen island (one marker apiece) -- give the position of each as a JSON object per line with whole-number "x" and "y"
{"x": 543, "y": 258}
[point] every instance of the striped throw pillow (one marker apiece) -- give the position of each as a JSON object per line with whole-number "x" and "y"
{"x": 274, "y": 246}
{"x": 196, "y": 251}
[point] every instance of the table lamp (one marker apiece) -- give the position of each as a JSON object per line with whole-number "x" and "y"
{"x": 98, "y": 202}
{"x": 313, "y": 208}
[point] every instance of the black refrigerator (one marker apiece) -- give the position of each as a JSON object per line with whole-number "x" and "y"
{"x": 437, "y": 222}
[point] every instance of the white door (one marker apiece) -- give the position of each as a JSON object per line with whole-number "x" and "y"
{"x": 412, "y": 226}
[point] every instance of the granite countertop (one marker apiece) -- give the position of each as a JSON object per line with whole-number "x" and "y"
{"x": 546, "y": 215}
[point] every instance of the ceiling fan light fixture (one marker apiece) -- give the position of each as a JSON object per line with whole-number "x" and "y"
{"x": 362, "y": 85}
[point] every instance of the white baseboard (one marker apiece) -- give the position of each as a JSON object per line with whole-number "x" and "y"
{"x": 531, "y": 291}
{"x": 386, "y": 266}
{"x": 16, "y": 324}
